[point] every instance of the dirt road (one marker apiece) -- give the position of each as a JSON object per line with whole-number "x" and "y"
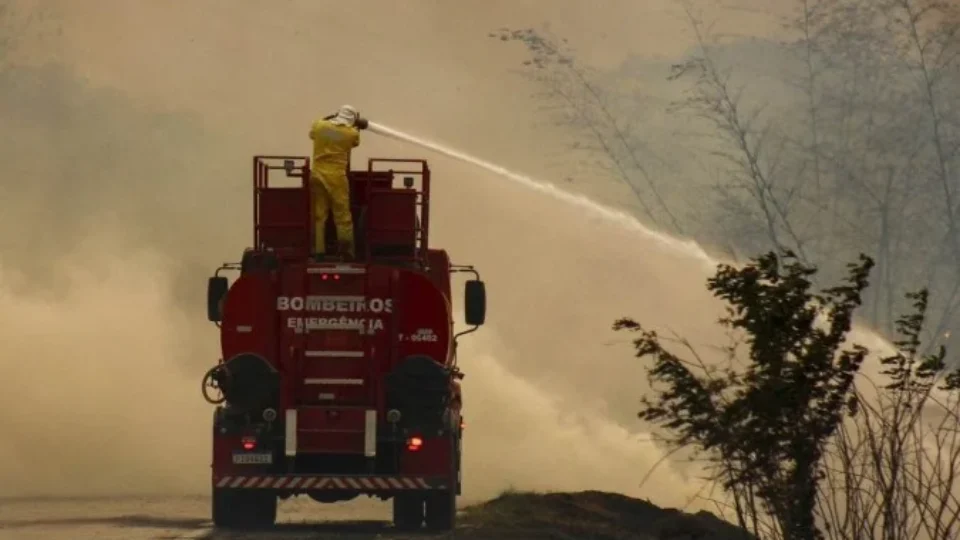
{"x": 585, "y": 515}
{"x": 168, "y": 518}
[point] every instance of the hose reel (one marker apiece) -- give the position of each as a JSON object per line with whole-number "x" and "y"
{"x": 246, "y": 382}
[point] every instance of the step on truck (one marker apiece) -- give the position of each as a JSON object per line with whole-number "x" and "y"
{"x": 338, "y": 378}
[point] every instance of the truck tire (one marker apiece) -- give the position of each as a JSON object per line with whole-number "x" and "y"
{"x": 441, "y": 506}
{"x": 407, "y": 512}
{"x": 441, "y": 510}
{"x": 243, "y": 509}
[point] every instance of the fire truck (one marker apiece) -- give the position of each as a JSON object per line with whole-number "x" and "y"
{"x": 338, "y": 377}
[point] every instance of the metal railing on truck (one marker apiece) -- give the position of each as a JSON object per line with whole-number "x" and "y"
{"x": 283, "y": 216}
{"x": 420, "y": 226}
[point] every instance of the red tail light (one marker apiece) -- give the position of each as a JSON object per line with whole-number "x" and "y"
{"x": 414, "y": 444}
{"x": 248, "y": 443}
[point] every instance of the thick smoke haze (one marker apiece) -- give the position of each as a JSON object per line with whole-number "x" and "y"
{"x": 127, "y": 130}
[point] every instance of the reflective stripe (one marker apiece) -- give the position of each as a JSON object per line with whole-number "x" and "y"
{"x": 357, "y": 483}
{"x": 291, "y": 435}
{"x": 336, "y": 270}
{"x": 334, "y": 354}
{"x": 370, "y": 434}
{"x": 352, "y": 382}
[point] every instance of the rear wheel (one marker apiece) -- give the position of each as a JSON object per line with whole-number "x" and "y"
{"x": 441, "y": 506}
{"x": 243, "y": 509}
{"x": 442, "y": 510}
{"x": 407, "y": 512}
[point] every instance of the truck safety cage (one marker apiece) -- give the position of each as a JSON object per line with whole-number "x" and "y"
{"x": 390, "y": 221}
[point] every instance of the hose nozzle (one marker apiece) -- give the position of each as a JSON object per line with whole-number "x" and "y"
{"x": 360, "y": 122}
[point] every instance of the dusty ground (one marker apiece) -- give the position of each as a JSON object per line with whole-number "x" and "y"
{"x": 581, "y": 516}
{"x": 137, "y": 518}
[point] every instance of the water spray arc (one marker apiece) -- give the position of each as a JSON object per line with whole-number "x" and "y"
{"x": 623, "y": 219}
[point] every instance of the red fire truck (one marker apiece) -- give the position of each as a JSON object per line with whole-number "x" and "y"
{"x": 338, "y": 378}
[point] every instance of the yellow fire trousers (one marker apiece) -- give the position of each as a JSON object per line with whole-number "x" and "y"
{"x": 331, "y": 192}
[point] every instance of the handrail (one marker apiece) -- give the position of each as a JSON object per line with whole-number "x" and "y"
{"x": 261, "y": 181}
{"x": 264, "y": 164}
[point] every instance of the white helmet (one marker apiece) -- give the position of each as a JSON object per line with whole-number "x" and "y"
{"x": 346, "y": 116}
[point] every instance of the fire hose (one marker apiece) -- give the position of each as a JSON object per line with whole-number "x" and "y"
{"x": 216, "y": 378}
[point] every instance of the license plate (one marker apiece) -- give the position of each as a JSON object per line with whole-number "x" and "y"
{"x": 252, "y": 458}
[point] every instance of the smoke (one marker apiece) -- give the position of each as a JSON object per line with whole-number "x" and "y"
{"x": 104, "y": 341}
{"x": 107, "y": 232}
{"x": 93, "y": 402}
{"x": 110, "y": 229}
{"x": 523, "y": 437}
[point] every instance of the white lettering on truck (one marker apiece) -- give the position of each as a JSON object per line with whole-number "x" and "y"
{"x": 422, "y": 335}
{"x": 299, "y": 325}
{"x": 337, "y": 304}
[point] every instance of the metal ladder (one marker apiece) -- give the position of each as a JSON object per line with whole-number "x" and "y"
{"x": 359, "y": 351}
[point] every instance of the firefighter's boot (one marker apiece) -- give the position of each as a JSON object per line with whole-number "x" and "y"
{"x": 346, "y": 250}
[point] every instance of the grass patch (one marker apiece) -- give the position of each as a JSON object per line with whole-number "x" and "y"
{"x": 589, "y": 515}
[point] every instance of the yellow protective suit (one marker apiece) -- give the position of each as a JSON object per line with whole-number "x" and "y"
{"x": 333, "y": 141}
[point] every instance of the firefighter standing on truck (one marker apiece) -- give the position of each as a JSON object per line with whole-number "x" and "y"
{"x": 334, "y": 137}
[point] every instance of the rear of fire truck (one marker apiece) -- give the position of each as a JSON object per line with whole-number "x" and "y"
{"x": 338, "y": 379}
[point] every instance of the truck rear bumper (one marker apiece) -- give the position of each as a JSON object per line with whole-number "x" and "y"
{"x": 354, "y": 483}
